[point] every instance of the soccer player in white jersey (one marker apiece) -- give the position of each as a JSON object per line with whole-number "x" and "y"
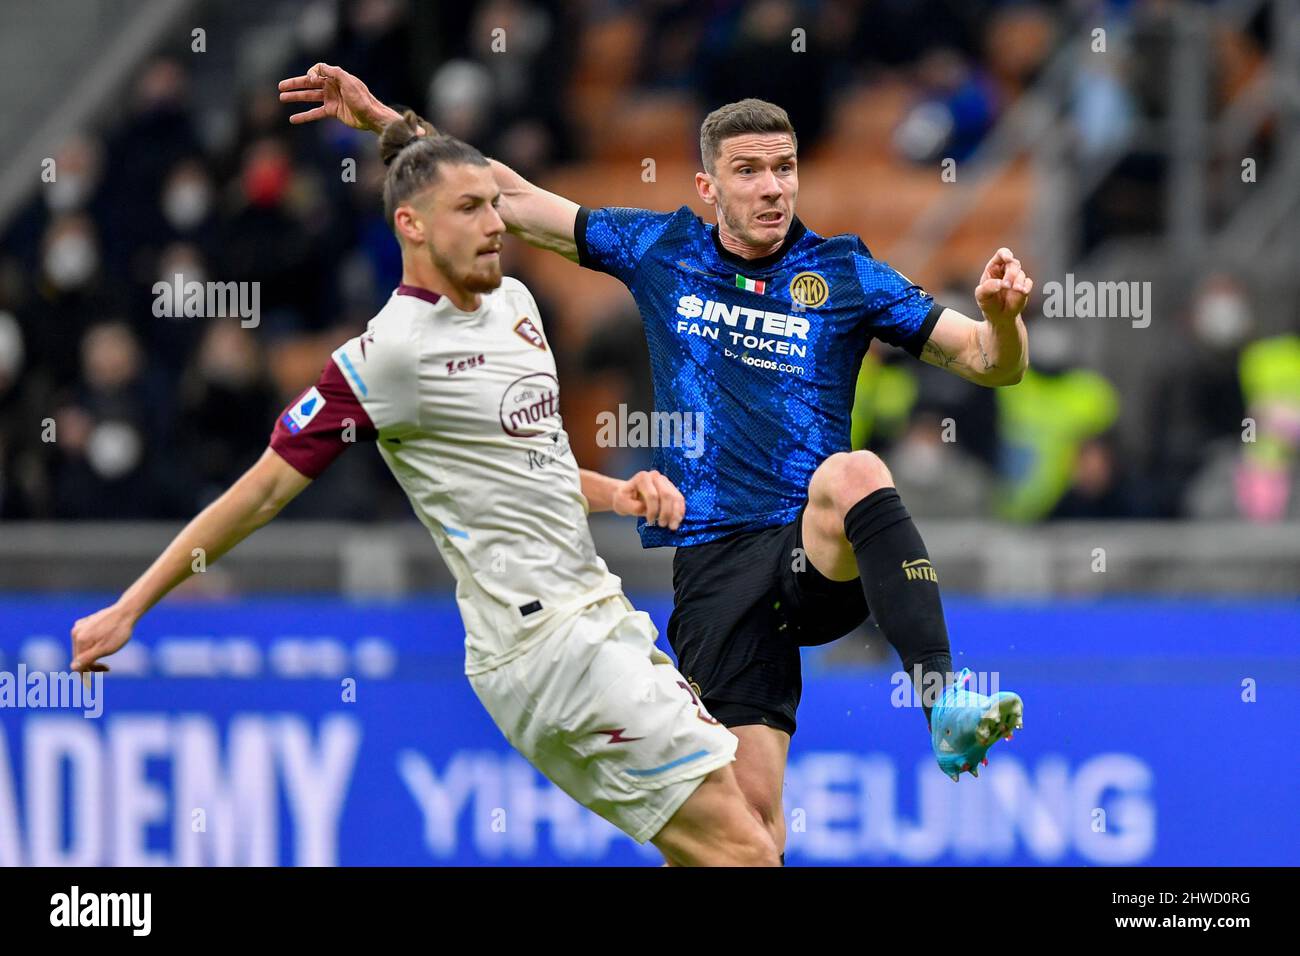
{"x": 455, "y": 382}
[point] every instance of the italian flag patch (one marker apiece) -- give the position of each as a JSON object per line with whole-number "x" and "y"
{"x": 751, "y": 285}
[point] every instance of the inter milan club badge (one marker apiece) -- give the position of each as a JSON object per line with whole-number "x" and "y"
{"x": 809, "y": 289}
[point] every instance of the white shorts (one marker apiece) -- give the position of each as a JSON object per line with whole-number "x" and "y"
{"x": 602, "y": 712}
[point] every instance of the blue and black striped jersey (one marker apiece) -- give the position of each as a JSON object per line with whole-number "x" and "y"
{"x": 765, "y": 352}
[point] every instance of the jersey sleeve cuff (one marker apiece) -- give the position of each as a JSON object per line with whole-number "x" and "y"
{"x": 580, "y": 236}
{"x": 295, "y": 459}
{"x": 916, "y": 343}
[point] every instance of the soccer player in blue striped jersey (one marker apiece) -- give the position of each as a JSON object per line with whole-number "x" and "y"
{"x": 759, "y": 325}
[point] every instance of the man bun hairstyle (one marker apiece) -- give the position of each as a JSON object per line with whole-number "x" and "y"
{"x": 415, "y": 153}
{"x": 401, "y": 133}
{"x": 745, "y": 116}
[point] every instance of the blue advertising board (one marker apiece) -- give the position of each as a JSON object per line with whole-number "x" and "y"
{"x": 323, "y": 732}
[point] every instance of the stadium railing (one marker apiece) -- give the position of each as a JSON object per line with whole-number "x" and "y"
{"x": 392, "y": 560}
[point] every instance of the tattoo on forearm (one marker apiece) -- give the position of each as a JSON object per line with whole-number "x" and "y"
{"x": 936, "y": 355}
{"x": 979, "y": 340}
{"x": 940, "y": 358}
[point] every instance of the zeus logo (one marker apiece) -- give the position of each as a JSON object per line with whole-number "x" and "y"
{"x": 742, "y": 317}
{"x": 616, "y": 736}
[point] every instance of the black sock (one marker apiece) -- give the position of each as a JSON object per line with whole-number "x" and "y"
{"x": 901, "y": 587}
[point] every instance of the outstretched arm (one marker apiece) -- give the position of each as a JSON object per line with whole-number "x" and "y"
{"x": 646, "y": 493}
{"x": 995, "y": 350}
{"x": 540, "y": 218}
{"x": 249, "y": 503}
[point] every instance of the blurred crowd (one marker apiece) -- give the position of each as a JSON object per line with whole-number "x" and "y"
{"x": 1220, "y": 434}
{"x": 109, "y": 410}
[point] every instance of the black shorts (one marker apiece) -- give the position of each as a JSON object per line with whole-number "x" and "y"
{"x": 741, "y": 611}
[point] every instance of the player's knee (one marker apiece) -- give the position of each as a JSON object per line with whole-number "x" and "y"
{"x": 760, "y": 852}
{"x": 751, "y": 835}
{"x": 766, "y": 812}
{"x": 752, "y": 845}
{"x": 734, "y": 838}
{"x": 737, "y": 834}
{"x": 845, "y": 478}
{"x": 770, "y": 817}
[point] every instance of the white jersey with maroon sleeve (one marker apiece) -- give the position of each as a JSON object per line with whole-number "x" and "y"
{"x": 465, "y": 409}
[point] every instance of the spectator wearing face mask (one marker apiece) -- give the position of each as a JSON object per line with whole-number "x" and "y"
{"x": 171, "y": 339}
{"x": 76, "y": 177}
{"x": 72, "y": 289}
{"x": 933, "y": 468}
{"x": 71, "y": 183}
{"x": 157, "y": 134}
{"x": 224, "y": 389}
{"x": 111, "y": 430}
{"x": 1100, "y": 487}
{"x": 186, "y": 201}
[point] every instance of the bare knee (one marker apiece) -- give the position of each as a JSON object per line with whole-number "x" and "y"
{"x": 771, "y": 818}
{"x": 749, "y": 846}
{"x": 716, "y": 827}
{"x": 760, "y": 773}
{"x": 746, "y": 835}
{"x": 845, "y": 478}
{"x": 759, "y": 851}
{"x": 754, "y": 844}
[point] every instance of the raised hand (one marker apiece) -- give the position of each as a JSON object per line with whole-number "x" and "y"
{"x": 1004, "y": 288}
{"x": 341, "y": 96}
